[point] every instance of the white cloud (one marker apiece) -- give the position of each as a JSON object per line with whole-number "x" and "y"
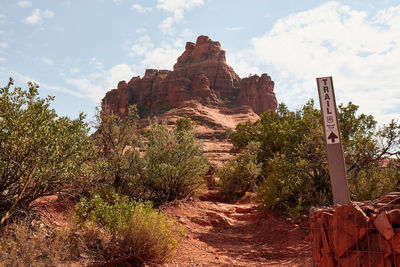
{"x": 118, "y": 73}
{"x": 161, "y": 57}
{"x": 92, "y": 86}
{"x": 3, "y": 45}
{"x": 187, "y": 34}
{"x": 96, "y": 64}
{"x": 360, "y": 52}
{"x": 34, "y": 18}
{"x": 47, "y": 61}
{"x": 74, "y": 71}
{"x": 166, "y": 25}
{"x": 96, "y": 84}
{"x": 174, "y": 5}
{"x": 240, "y": 63}
{"x": 91, "y": 89}
{"x": 25, "y": 78}
{"x": 140, "y": 30}
{"x": 37, "y": 16}
{"x": 177, "y": 8}
{"x": 2, "y": 59}
{"x": 24, "y": 4}
{"x": 48, "y": 13}
{"x": 140, "y": 8}
{"x": 141, "y": 46}
{"x": 2, "y": 18}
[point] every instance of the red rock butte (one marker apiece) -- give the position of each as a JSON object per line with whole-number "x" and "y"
{"x": 200, "y": 74}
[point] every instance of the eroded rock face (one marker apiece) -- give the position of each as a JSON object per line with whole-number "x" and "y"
{"x": 201, "y": 74}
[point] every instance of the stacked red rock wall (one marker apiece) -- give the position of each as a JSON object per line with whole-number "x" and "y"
{"x": 357, "y": 234}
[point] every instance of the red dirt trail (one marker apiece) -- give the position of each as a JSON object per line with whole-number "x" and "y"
{"x": 222, "y": 234}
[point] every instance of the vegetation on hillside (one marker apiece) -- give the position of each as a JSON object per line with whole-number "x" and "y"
{"x": 112, "y": 172}
{"x": 292, "y": 155}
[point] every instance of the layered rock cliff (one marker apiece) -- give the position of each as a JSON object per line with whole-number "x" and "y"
{"x": 201, "y": 74}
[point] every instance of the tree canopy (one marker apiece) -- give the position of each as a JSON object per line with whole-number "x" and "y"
{"x": 40, "y": 153}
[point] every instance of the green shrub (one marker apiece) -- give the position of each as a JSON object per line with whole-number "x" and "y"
{"x": 135, "y": 227}
{"x": 118, "y": 160}
{"x": 227, "y": 134}
{"x": 375, "y": 182}
{"x": 184, "y": 124}
{"x": 40, "y": 153}
{"x": 111, "y": 211}
{"x": 174, "y": 165}
{"x": 239, "y": 174}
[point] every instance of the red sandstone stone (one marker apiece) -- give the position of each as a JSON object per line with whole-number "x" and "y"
{"x": 349, "y": 260}
{"x": 394, "y": 216}
{"x": 383, "y": 225}
{"x": 376, "y": 243}
{"x": 374, "y": 250}
{"x": 395, "y": 242}
{"x": 327, "y": 261}
{"x": 396, "y": 260}
{"x": 348, "y": 225}
{"x": 325, "y": 218}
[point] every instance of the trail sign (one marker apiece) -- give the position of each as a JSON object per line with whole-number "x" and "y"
{"x": 337, "y": 169}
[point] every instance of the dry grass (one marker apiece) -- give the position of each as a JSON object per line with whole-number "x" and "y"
{"x": 26, "y": 245}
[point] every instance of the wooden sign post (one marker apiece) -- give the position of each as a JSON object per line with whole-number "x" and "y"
{"x": 337, "y": 168}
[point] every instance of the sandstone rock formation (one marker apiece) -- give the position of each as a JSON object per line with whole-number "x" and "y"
{"x": 201, "y": 74}
{"x": 357, "y": 234}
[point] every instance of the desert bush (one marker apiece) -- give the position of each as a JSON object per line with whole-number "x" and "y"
{"x": 239, "y": 174}
{"x": 227, "y": 134}
{"x": 109, "y": 210}
{"x": 184, "y": 124}
{"x": 134, "y": 228}
{"x": 173, "y": 162}
{"x": 375, "y": 182}
{"x": 40, "y": 153}
{"x": 118, "y": 160}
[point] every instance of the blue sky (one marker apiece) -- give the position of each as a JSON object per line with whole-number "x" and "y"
{"x": 78, "y": 50}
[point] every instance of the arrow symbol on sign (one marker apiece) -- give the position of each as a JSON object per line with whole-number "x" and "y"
{"x": 333, "y": 136}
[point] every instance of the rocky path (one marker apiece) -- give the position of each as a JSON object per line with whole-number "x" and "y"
{"x": 221, "y": 234}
